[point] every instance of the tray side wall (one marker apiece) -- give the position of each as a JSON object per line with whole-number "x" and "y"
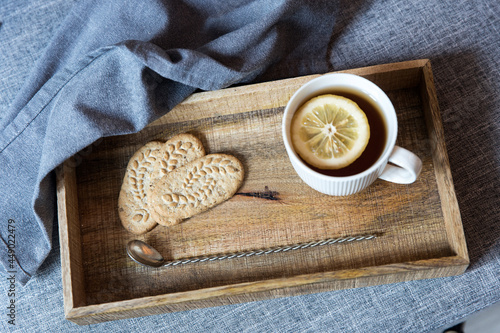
{"x": 451, "y": 211}
{"x": 69, "y": 234}
{"x": 256, "y": 291}
{"x": 275, "y": 94}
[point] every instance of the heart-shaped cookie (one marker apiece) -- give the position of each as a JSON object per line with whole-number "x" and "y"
{"x": 196, "y": 187}
{"x": 145, "y": 168}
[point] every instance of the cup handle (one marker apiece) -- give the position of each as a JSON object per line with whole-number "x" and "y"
{"x": 405, "y": 167}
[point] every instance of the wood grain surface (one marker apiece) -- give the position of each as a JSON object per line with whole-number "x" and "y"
{"x": 418, "y": 226}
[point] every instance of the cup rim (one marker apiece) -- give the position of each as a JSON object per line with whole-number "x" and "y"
{"x": 390, "y": 143}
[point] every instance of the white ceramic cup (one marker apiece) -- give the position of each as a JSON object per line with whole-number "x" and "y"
{"x": 404, "y": 166}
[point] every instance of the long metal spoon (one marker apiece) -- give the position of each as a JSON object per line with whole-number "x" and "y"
{"x": 145, "y": 254}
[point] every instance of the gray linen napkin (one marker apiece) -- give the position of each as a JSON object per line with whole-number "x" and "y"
{"x": 112, "y": 68}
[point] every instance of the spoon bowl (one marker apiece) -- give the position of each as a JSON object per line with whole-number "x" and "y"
{"x": 144, "y": 254}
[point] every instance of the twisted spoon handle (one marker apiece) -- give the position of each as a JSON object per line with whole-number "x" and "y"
{"x": 267, "y": 251}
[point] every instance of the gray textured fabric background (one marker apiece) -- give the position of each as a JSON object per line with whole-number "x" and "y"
{"x": 462, "y": 39}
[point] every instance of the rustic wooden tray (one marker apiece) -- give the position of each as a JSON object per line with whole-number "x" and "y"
{"x": 418, "y": 226}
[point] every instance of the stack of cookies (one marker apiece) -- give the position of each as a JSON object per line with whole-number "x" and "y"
{"x": 166, "y": 183}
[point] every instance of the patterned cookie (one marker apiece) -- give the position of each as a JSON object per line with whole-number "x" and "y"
{"x": 196, "y": 187}
{"x": 150, "y": 162}
{"x": 177, "y": 152}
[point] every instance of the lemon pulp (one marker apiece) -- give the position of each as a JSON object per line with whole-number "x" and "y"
{"x": 330, "y": 131}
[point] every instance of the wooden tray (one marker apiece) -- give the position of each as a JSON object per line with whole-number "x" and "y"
{"x": 418, "y": 226}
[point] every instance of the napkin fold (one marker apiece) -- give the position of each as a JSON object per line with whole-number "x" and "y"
{"x": 112, "y": 68}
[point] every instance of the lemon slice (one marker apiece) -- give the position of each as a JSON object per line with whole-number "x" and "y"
{"x": 330, "y": 132}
